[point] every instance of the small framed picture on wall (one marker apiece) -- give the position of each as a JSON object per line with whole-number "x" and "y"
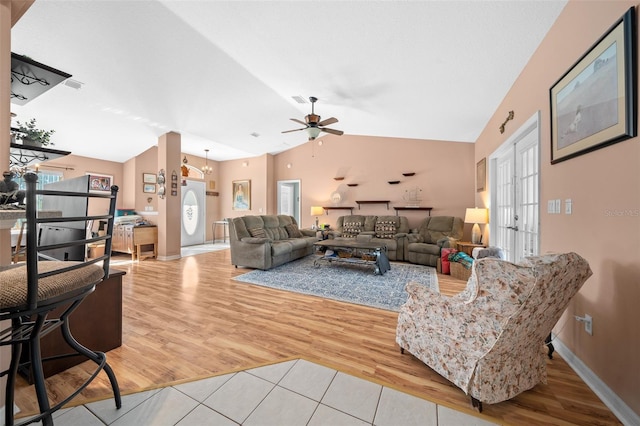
{"x": 149, "y": 188}
{"x": 149, "y": 178}
{"x": 100, "y": 183}
{"x": 241, "y": 195}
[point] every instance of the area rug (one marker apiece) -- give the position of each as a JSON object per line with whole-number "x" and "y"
{"x": 348, "y": 283}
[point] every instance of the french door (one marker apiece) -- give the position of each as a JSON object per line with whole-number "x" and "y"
{"x": 515, "y": 198}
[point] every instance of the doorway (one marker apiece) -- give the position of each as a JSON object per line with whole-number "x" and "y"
{"x": 289, "y": 198}
{"x": 193, "y": 213}
{"x": 514, "y": 171}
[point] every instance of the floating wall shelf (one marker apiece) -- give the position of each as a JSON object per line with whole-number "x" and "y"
{"x": 338, "y": 178}
{"x": 373, "y": 202}
{"x": 352, "y": 184}
{"x": 30, "y": 79}
{"x": 408, "y": 174}
{"x": 394, "y": 182}
{"x": 427, "y": 209}
{"x": 26, "y": 155}
{"x": 326, "y": 209}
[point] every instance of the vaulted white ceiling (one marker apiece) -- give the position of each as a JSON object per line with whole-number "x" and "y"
{"x": 218, "y": 71}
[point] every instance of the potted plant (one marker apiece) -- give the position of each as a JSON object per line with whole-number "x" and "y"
{"x": 31, "y": 135}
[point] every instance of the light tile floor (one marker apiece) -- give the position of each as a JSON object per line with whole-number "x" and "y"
{"x": 296, "y": 392}
{"x": 203, "y": 248}
{"x": 125, "y": 259}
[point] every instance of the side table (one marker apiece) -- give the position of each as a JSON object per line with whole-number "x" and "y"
{"x": 467, "y": 246}
{"x": 225, "y": 230}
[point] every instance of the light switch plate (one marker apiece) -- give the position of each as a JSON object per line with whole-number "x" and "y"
{"x": 568, "y": 206}
{"x": 557, "y": 207}
{"x": 550, "y": 206}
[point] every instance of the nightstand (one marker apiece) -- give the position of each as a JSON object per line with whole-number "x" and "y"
{"x": 467, "y": 246}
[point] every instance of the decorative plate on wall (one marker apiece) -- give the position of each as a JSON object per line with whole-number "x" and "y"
{"x": 336, "y": 197}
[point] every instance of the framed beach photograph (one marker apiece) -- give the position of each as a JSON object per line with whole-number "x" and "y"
{"x": 149, "y": 188}
{"x": 241, "y": 191}
{"x": 481, "y": 175}
{"x": 99, "y": 182}
{"x": 593, "y": 104}
{"x": 149, "y": 178}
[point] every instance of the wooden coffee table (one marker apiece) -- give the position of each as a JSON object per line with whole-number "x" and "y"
{"x": 351, "y": 251}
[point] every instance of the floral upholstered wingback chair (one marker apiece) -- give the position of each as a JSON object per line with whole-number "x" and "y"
{"x": 488, "y": 339}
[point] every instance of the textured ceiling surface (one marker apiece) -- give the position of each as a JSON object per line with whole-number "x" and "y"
{"x": 219, "y": 71}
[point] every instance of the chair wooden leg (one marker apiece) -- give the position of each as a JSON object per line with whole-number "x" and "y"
{"x": 547, "y": 341}
{"x": 476, "y": 404}
{"x": 401, "y": 350}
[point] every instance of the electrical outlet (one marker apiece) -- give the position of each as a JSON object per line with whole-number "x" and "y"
{"x": 588, "y": 324}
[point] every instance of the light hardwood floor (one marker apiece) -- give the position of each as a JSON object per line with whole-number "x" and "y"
{"x": 187, "y": 319}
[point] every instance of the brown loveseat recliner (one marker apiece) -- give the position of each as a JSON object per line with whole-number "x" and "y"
{"x": 434, "y": 234}
{"x": 264, "y": 242}
{"x": 392, "y": 231}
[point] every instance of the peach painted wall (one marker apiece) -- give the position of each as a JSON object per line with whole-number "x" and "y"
{"x": 128, "y": 190}
{"x": 605, "y": 188}
{"x": 169, "y": 208}
{"x": 445, "y": 172}
{"x": 146, "y": 162}
{"x": 254, "y": 169}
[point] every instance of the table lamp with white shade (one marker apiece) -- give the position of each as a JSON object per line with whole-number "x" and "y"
{"x": 476, "y": 216}
{"x": 316, "y": 211}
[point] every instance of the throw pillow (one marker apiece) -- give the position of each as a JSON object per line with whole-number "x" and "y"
{"x": 351, "y": 229}
{"x": 385, "y": 229}
{"x": 444, "y": 259}
{"x": 258, "y": 233}
{"x": 462, "y": 258}
{"x": 293, "y": 231}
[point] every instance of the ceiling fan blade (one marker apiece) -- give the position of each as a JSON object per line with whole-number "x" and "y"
{"x": 328, "y": 121}
{"x": 332, "y": 131}
{"x": 294, "y": 130}
{"x": 298, "y": 121}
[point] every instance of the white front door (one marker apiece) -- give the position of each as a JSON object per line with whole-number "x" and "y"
{"x": 515, "y": 199}
{"x": 193, "y": 213}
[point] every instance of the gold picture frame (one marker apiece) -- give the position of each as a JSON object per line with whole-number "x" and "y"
{"x": 241, "y": 193}
{"x": 593, "y": 103}
{"x": 149, "y": 178}
{"x": 149, "y": 188}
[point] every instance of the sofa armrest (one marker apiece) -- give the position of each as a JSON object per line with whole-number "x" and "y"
{"x": 255, "y": 240}
{"x": 400, "y": 235}
{"x": 415, "y": 238}
{"x": 308, "y": 232}
{"x": 447, "y": 242}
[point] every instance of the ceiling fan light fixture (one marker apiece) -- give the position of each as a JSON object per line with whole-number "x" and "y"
{"x": 313, "y": 132}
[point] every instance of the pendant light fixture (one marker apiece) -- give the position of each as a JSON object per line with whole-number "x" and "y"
{"x": 207, "y": 170}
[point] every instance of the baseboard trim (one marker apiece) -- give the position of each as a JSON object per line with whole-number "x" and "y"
{"x": 621, "y": 410}
{"x": 165, "y": 258}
